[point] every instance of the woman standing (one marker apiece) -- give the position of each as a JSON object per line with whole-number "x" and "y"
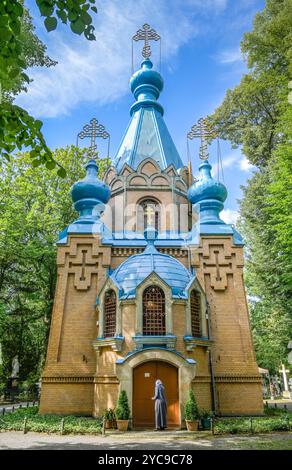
{"x": 160, "y": 406}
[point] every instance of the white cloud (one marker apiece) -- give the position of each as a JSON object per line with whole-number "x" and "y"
{"x": 229, "y": 216}
{"x": 98, "y": 71}
{"x": 227, "y": 162}
{"x": 229, "y": 56}
{"x": 244, "y": 164}
{"x": 233, "y": 160}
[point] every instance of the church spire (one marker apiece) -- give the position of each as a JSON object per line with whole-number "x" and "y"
{"x": 147, "y": 134}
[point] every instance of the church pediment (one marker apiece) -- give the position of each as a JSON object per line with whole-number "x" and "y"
{"x": 116, "y": 184}
{"x": 126, "y": 170}
{"x": 110, "y": 174}
{"x": 171, "y": 171}
{"x": 148, "y": 167}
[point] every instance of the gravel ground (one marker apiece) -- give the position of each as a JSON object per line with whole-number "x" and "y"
{"x": 142, "y": 441}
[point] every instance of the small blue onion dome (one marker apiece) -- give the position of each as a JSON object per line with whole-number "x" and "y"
{"x": 209, "y": 195}
{"x": 90, "y": 191}
{"x": 146, "y": 84}
{"x": 206, "y": 187}
{"x": 135, "y": 269}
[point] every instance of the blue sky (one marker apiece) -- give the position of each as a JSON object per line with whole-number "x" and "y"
{"x": 200, "y": 61}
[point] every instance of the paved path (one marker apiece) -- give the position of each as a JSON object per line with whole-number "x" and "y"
{"x": 139, "y": 441}
{"x": 22, "y": 404}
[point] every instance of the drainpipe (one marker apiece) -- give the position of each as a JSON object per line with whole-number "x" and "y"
{"x": 213, "y": 385}
{"x": 124, "y": 204}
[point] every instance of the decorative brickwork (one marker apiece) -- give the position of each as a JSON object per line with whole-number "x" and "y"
{"x": 82, "y": 258}
{"x": 217, "y": 258}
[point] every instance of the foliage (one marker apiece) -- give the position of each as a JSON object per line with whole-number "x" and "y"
{"x": 271, "y": 411}
{"x": 256, "y": 115}
{"x": 122, "y": 410}
{"x": 2, "y": 388}
{"x": 191, "y": 408}
{"x": 35, "y": 206}
{"x": 109, "y": 414}
{"x": 249, "y": 113}
{"x": 259, "y": 425}
{"x": 48, "y": 423}
{"x": 77, "y": 14}
{"x": 20, "y": 48}
{"x": 206, "y": 414}
{"x": 266, "y": 222}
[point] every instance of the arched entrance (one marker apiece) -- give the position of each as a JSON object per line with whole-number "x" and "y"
{"x": 144, "y": 377}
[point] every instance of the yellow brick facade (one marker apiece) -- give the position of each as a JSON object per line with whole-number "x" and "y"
{"x": 82, "y": 378}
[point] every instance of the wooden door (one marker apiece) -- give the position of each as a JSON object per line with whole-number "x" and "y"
{"x": 144, "y": 377}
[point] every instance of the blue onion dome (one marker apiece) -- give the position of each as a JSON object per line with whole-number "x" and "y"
{"x": 146, "y": 84}
{"x": 137, "y": 268}
{"x": 90, "y": 191}
{"x": 206, "y": 187}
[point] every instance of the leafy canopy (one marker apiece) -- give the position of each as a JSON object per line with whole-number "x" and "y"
{"x": 257, "y": 116}
{"x": 19, "y": 49}
{"x": 35, "y": 206}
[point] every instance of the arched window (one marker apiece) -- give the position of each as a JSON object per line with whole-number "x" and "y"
{"x": 110, "y": 314}
{"x": 148, "y": 214}
{"x": 153, "y": 311}
{"x": 196, "y": 313}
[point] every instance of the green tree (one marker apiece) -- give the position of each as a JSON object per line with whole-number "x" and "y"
{"x": 35, "y": 206}
{"x": 256, "y": 116}
{"x": 19, "y": 49}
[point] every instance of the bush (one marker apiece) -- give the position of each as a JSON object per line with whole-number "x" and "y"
{"x": 122, "y": 410}
{"x": 191, "y": 408}
{"x": 205, "y": 414}
{"x": 49, "y": 423}
{"x": 259, "y": 425}
{"x": 109, "y": 414}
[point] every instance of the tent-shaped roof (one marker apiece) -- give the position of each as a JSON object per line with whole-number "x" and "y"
{"x": 147, "y": 134}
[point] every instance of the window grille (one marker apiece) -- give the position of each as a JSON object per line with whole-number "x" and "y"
{"x": 196, "y": 313}
{"x": 153, "y": 311}
{"x": 110, "y": 313}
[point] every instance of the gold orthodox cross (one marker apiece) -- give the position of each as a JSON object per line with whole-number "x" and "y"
{"x": 150, "y": 212}
{"x": 93, "y": 130}
{"x": 202, "y": 130}
{"x": 146, "y": 34}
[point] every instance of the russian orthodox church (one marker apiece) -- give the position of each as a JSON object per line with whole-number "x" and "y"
{"x": 150, "y": 285}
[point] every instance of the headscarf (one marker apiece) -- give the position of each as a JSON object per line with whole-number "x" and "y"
{"x": 158, "y": 382}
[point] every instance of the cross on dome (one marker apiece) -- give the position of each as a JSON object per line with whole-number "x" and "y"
{"x": 146, "y": 34}
{"x": 93, "y": 130}
{"x": 203, "y": 129}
